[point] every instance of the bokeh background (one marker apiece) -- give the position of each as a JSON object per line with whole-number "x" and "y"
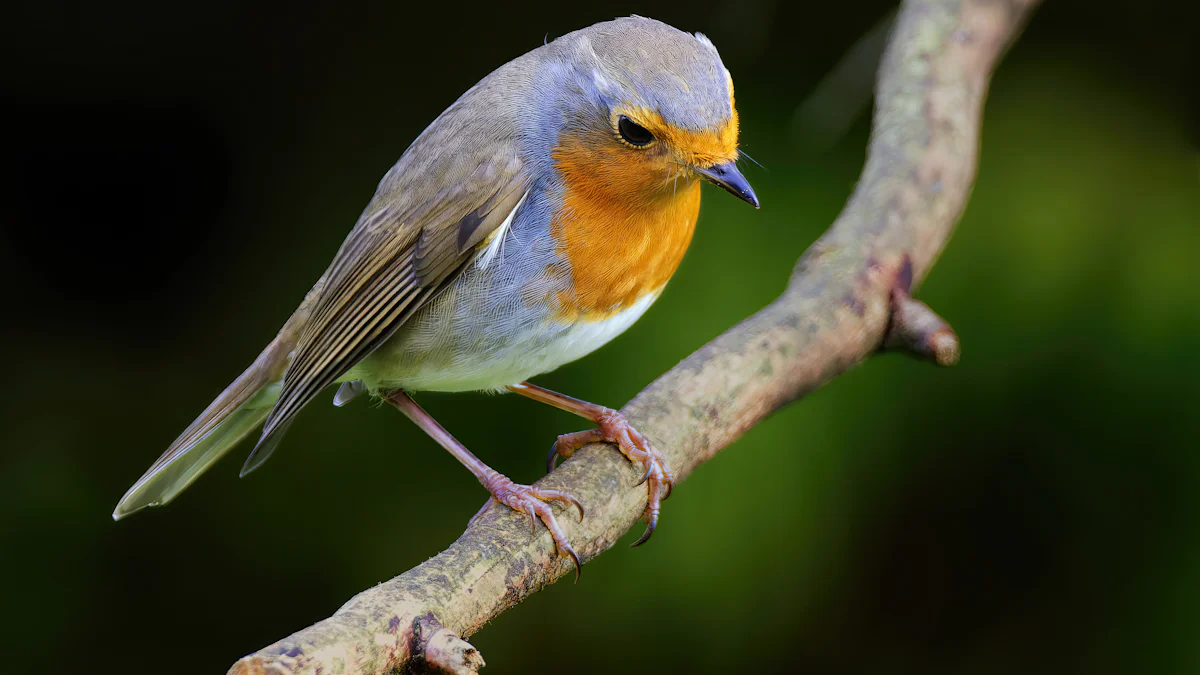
{"x": 175, "y": 176}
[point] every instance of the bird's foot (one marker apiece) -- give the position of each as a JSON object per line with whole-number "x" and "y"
{"x": 535, "y": 502}
{"x": 614, "y": 428}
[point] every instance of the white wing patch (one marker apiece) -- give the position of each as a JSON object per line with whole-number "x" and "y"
{"x": 494, "y": 244}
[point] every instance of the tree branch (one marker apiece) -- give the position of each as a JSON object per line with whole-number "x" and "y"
{"x": 848, "y": 296}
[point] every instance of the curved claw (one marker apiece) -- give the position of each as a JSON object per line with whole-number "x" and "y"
{"x": 646, "y": 475}
{"x": 532, "y": 521}
{"x": 559, "y": 495}
{"x": 646, "y": 535}
{"x": 670, "y": 483}
{"x": 552, "y": 458}
{"x": 574, "y": 502}
{"x": 575, "y": 558}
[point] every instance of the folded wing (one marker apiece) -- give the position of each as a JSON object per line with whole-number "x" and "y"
{"x": 426, "y": 222}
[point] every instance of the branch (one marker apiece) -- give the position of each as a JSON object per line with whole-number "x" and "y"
{"x": 847, "y": 297}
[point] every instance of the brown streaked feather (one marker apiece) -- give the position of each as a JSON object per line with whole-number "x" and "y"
{"x": 402, "y": 252}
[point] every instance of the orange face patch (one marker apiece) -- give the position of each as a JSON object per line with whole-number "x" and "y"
{"x": 624, "y": 227}
{"x": 629, "y": 212}
{"x": 695, "y": 148}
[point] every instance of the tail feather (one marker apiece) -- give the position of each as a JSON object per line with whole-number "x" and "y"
{"x": 266, "y": 446}
{"x": 239, "y": 410}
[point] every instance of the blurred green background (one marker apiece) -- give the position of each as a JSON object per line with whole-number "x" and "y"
{"x": 176, "y": 176}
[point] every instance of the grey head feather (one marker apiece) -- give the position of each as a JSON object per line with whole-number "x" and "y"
{"x": 651, "y": 64}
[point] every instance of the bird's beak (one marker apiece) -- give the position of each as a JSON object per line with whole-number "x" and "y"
{"x": 727, "y": 177}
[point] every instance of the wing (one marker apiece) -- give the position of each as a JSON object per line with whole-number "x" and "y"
{"x": 425, "y": 223}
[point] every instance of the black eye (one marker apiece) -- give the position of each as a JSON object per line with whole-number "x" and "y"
{"x": 633, "y": 133}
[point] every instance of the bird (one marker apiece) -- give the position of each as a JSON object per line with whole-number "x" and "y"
{"x": 536, "y": 219}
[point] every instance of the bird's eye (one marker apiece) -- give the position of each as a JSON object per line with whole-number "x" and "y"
{"x": 633, "y": 133}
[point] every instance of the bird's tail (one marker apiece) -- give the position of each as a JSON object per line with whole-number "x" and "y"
{"x": 239, "y": 410}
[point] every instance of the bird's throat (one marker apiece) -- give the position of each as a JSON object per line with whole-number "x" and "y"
{"x": 621, "y": 247}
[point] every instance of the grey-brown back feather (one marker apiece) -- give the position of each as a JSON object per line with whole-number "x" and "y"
{"x": 453, "y": 187}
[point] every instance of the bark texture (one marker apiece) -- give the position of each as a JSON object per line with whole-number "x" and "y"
{"x": 848, "y": 297}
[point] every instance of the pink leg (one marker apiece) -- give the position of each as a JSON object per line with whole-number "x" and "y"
{"x": 613, "y": 428}
{"x": 524, "y": 498}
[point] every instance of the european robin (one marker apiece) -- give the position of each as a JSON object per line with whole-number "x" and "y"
{"x": 536, "y": 219}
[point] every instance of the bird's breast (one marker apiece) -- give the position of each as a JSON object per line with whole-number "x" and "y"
{"x": 621, "y": 248}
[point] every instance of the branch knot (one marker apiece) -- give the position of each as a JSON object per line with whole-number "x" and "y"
{"x": 916, "y": 329}
{"x": 437, "y": 649}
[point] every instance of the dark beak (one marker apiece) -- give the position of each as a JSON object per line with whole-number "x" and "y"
{"x": 727, "y": 177}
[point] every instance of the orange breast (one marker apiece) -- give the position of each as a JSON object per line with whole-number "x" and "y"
{"x": 623, "y": 228}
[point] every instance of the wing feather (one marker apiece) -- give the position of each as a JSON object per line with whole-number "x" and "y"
{"x": 403, "y": 252}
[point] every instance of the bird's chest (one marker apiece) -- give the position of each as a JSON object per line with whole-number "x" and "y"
{"x": 620, "y": 251}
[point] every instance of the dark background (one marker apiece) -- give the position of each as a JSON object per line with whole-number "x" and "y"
{"x": 175, "y": 177}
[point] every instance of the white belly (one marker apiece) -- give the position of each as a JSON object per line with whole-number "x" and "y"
{"x": 410, "y": 362}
